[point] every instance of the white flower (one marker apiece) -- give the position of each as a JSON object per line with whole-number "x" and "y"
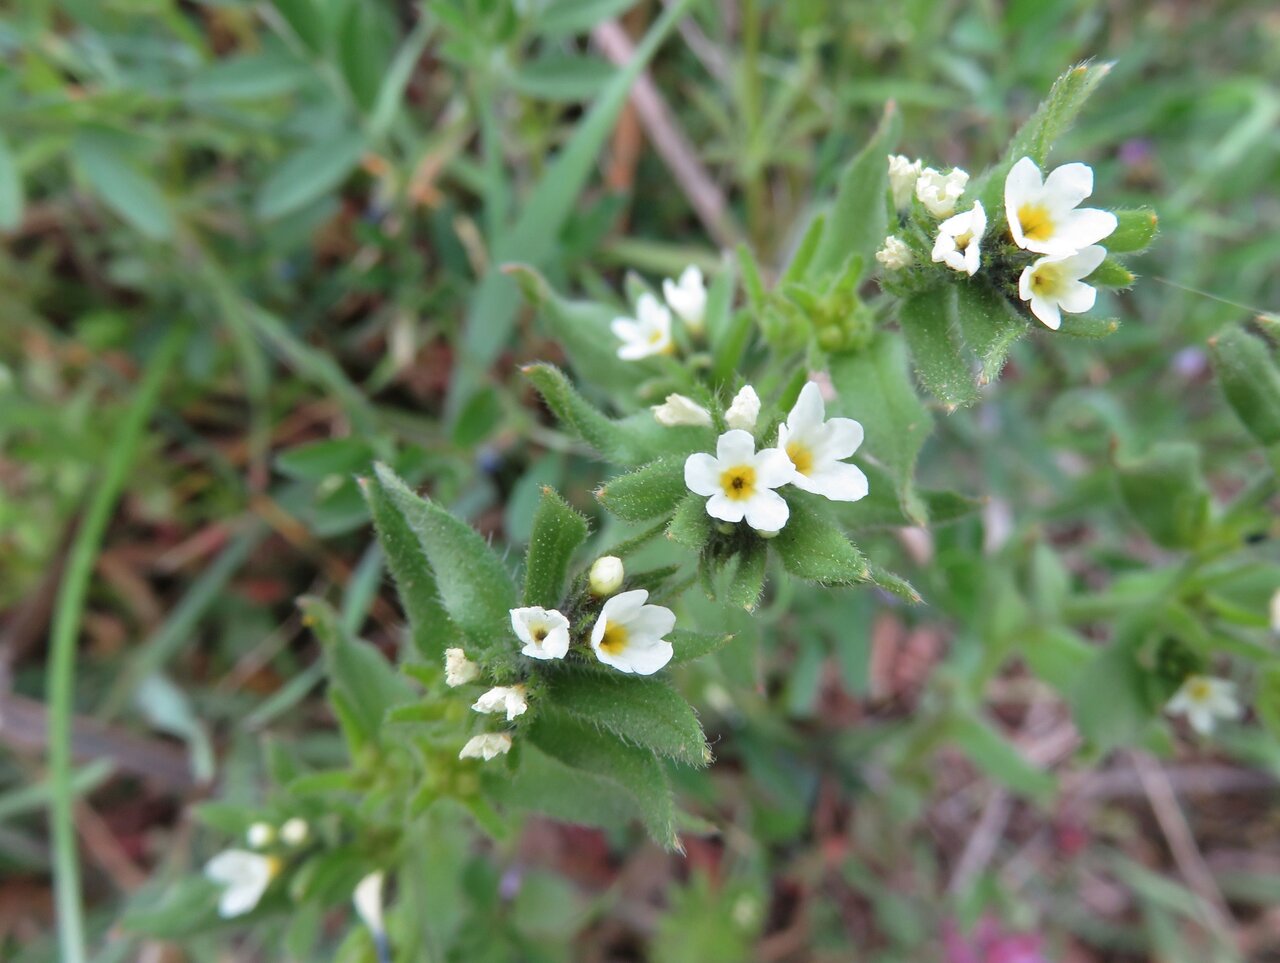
{"x": 628, "y": 634}
{"x": 606, "y": 575}
{"x": 486, "y": 746}
{"x": 740, "y": 481}
{"x": 648, "y": 333}
{"x": 815, "y": 445}
{"x": 1043, "y": 216}
{"x": 458, "y": 669}
{"x": 895, "y": 255}
{"x": 959, "y": 237}
{"x": 1203, "y": 700}
{"x": 939, "y": 192}
{"x": 688, "y": 298}
{"x": 544, "y": 632}
{"x": 503, "y": 697}
{"x": 367, "y": 899}
{"x": 903, "y": 174}
{"x": 679, "y": 410}
{"x": 295, "y": 831}
{"x": 243, "y": 876}
{"x": 1053, "y": 285}
{"x": 744, "y": 410}
{"x": 260, "y": 835}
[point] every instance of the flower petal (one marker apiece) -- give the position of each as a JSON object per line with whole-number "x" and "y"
{"x": 1081, "y": 228}
{"x": 773, "y": 468}
{"x": 838, "y": 481}
{"x": 1022, "y": 184}
{"x": 1076, "y": 297}
{"x": 767, "y": 511}
{"x": 734, "y": 447}
{"x": 1084, "y": 262}
{"x": 809, "y": 409}
{"x": 648, "y": 659}
{"x": 842, "y": 438}
{"x": 652, "y": 621}
{"x": 1067, "y": 186}
{"x": 1047, "y": 312}
{"x": 726, "y": 509}
{"x": 702, "y": 474}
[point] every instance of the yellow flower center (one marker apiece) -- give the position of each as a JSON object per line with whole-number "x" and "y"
{"x": 615, "y": 638}
{"x": 801, "y": 457}
{"x": 274, "y": 865}
{"x": 1200, "y": 690}
{"x": 539, "y": 633}
{"x": 1036, "y": 223}
{"x": 1046, "y": 280}
{"x": 655, "y": 336}
{"x": 738, "y": 482}
{"x": 964, "y": 240}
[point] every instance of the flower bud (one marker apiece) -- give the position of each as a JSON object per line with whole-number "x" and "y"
{"x": 295, "y": 831}
{"x": 260, "y": 835}
{"x": 368, "y": 902}
{"x": 679, "y": 410}
{"x": 606, "y": 575}
{"x": 458, "y": 669}
{"x": 744, "y": 410}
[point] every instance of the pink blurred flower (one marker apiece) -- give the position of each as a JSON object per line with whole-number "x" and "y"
{"x": 989, "y": 943}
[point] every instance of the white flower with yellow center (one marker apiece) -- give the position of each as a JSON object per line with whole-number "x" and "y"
{"x": 903, "y": 174}
{"x": 1053, "y": 285}
{"x": 939, "y": 192}
{"x": 744, "y": 409}
{"x": 458, "y": 669}
{"x": 1203, "y": 700}
{"x": 740, "y": 481}
{"x": 503, "y": 698}
{"x": 544, "y": 632}
{"x": 243, "y": 876}
{"x": 486, "y": 746}
{"x": 628, "y": 634}
{"x": 679, "y": 410}
{"x": 647, "y": 334}
{"x": 1044, "y": 215}
{"x": 895, "y": 255}
{"x": 959, "y": 239}
{"x": 815, "y": 446}
{"x": 687, "y": 297}
{"x": 607, "y": 573}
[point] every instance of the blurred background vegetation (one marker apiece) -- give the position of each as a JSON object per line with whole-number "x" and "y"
{"x": 313, "y": 197}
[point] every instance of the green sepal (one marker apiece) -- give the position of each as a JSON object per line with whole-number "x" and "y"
{"x": 688, "y": 645}
{"x": 747, "y": 584}
{"x": 690, "y": 526}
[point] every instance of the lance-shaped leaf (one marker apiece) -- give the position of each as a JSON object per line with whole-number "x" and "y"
{"x": 474, "y": 586}
{"x": 875, "y": 388}
{"x": 538, "y": 785}
{"x": 644, "y": 712}
{"x": 1166, "y": 493}
{"x": 998, "y": 758}
{"x": 649, "y": 492}
{"x": 687, "y": 645}
{"x": 989, "y": 323}
{"x": 558, "y": 530}
{"x": 362, "y": 684}
{"x": 747, "y": 584}
{"x": 881, "y": 507}
{"x": 637, "y": 771}
{"x": 1250, "y": 380}
{"x": 431, "y": 629}
{"x": 1135, "y": 230}
{"x": 891, "y": 582}
{"x": 812, "y": 547}
{"x": 690, "y": 525}
{"x": 859, "y": 217}
{"x": 941, "y": 358}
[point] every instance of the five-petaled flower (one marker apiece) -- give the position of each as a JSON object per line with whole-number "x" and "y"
{"x": 1053, "y": 285}
{"x": 648, "y": 333}
{"x": 687, "y": 297}
{"x": 959, "y": 240}
{"x": 503, "y": 698}
{"x": 486, "y": 746}
{"x": 816, "y": 446}
{"x": 740, "y": 481}
{"x": 243, "y": 876}
{"x": 544, "y": 632}
{"x": 628, "y": 633}
{"x": 939, "y": 192}
{"x": 1203, "y": 700}
{"x": 1044, "y": 215}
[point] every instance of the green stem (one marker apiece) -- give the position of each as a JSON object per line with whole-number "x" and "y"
{"x": 67, "y": 617}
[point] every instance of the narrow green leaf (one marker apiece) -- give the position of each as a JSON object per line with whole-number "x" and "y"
{"x": 1088, "y": 327}
{"x": 1135, "y": 231}
{"x": 858, "y": 220}
{"x": 1166, "y": 493}
{"x": 1267, "y": 698}
{"x": 690, "y": 525}
{"x": 748, "y": 578}
{"x": 558, "y": 531}
{"x": 567, "y": 17}
{"x": 989, "y": 323}
{"x": 634, "y": 770}
{"x": 812, "y": 547}
{"x": 874, "y": 387}
{"x": 365, "y": 40}
{"x": 688, "y": 645}
{"x": 122, "y": 186}
{"x": 538, "y": 785}
{"x": 1107, "y": 699}
{"x": 11, "y": 202}
{"x": 643, "y": 712}
{"x": 307, "y": 20}
{"x": 649, "y": 492}
{"x": 719, "y": 312}
{"x": 1000, "y": 760}
{"x": 309, "y": 173}
{"x": 249, "y": 77}
{"x": 431, "y": 629}
{"x": 890, "y": 582}
{"x": 1250, "y": 380}
{"x": 367, "y": 684}
{"x": 941, "y": 358}
{"x": 474, "y": 586}
{"x": 561, "y": 77}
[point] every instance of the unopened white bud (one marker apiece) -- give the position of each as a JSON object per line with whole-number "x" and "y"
{"x": 895, "y": 255}
{"x": 260, "y": 835}
{"x": 607, "y": 573}
{"x": 678, "y": 410}
{"x": 458, "y": 669}
{"x": 744, "y": 410}
{"x": 903, "y": 173}
{"x": 295, "y": 831}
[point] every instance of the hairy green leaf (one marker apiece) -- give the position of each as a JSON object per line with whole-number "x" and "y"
{"x": 747, "y": 584}
{"x": 989, "y": 323}
{"x": 1250, "y": 380}
{"x": 942, "y": 360}
{"x": 690, "y": 525}
{"x": 688, "y": 645}
{"x": 558, "y": 531}
{"x": 812, "y": 547}
{"x": 649, "y": 492}
{"x": 1111, "y": 274}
